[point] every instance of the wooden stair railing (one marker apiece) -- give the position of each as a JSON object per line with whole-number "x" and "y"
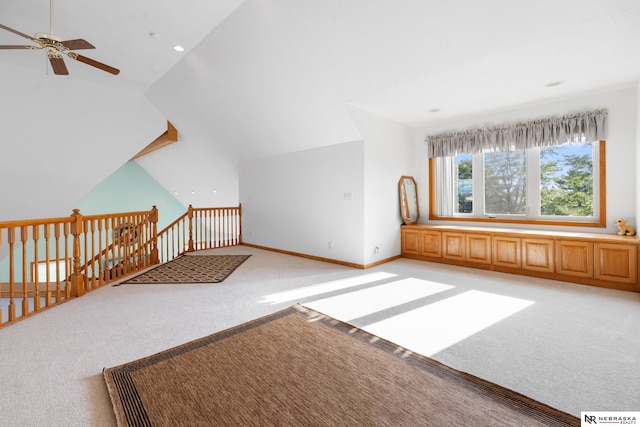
{"x": 198, "y": 229}
{"x": 45, "y": 262}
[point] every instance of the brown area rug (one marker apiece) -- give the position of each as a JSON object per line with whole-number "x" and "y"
{"x": 192, "y": 269}
{"x": 300, "y": 368}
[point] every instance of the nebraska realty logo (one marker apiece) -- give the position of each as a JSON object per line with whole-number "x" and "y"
{"x": 609, "y": 418}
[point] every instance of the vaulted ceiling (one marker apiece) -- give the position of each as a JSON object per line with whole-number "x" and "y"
{"x": 264, "y": 77}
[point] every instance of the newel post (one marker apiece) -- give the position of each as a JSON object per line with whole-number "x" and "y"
{"x": 77, "y": 278}
{"x": 190, "y": 215}
{"x": 154, "y": 235}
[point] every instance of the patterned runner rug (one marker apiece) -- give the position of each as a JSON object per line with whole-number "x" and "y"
{"x": 298, "y": 367}
{"x": 192, "y": 269}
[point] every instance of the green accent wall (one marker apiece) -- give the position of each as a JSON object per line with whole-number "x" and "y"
{"x": 130, "y": 189}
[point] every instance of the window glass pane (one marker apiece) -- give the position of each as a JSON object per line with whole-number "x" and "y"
{"x": 505, "y": 183}
{"x": 566, "y": 180}
{"x": 463, "y": 182}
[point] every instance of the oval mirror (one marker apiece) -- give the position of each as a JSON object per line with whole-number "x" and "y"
{"x": 408, "y": 200}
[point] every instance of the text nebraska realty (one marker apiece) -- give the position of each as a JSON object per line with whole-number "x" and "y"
{"x": 593, "y": 419}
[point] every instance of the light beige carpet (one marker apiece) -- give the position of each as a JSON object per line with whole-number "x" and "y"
{"x": 192, "y": 269}
{"x": 298, "y": 367}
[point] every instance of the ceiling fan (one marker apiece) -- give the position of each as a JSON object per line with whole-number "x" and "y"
{"x": 56, "y": 47}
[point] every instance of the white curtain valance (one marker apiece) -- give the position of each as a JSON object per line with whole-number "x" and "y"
{"x": 585, "y": 126}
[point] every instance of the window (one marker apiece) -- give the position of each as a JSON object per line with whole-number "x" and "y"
{"x": 562, "y": 184}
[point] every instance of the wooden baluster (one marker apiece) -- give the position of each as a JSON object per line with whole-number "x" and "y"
{"x": 126, "y": 244}
{"x": 100, "y": 254}
{"x": 67, "y": 277}
{"x": 154, "y": 235}
{"x": 93, "y": 254}
{"x": 113, "y": 271}
{"x": 226, "y": 227}
{"x": 36, "y": 279}
{"x": 47, "y": 258}
{"x": 85, "y": 251}
{"x": 56, "y": 236}
{"x": 240, "y": 224}
{"x": 190, "y": 215}
{"x": 77, "y": 278}
{"x": 24, "y": 236}
{"x": 11, "y": 238}
{"x": 215, "y": 228}
{"x": 209, "y": 215}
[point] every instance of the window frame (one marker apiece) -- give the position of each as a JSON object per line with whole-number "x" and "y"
{"x": 601, "y": 202}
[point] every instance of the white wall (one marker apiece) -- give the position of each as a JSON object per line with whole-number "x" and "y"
{"x": 637, "y": 156}
{"x": 388, "y": 149}
{"x": 62, "y": 136}
{"x": 621, "y": 146}
{"x": 309, "y": 202}
{"x": 187, "y": 166}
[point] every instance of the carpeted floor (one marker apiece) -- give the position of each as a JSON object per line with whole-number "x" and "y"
{"x": 192, "y": 269}
{"x": 297, "y": 367}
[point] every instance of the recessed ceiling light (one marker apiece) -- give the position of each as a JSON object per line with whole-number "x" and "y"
{"x": 215, "y": 190}
{"x": 175, "y": 193}
{"x": 178, "y": 48}
{"x": 552, "y": 84}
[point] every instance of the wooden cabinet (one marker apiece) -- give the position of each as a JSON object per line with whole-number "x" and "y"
{"x": 616, "y": 263}
{"x": 507, "y": 251}
{"x": 453, "y": 245}
{"x": 537, "y": 255}
{"x": 574, "y": 258}
{"x": 431, "y": 243}
{"x": 410, "y": 238}
{"x": 594, "y": 259}
{"x": 478, "y": 248}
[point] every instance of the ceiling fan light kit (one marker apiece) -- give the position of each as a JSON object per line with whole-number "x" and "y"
{"x": 56, "y": 47}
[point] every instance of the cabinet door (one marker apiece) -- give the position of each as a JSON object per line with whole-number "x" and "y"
{"x": 410, "y": 241}
{"x": 478, "y": 248}
{"x": 537, "y": 255}
{"x": 431, "y": 243}
{"x": 574, "y": 258}
{"x": 616, "y": 262}
{"x": 453, "y": 245}
{"x": 506, "y": 251}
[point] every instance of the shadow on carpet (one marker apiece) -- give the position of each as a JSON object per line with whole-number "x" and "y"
{"x": 191, "y": 269}
{"x": 298, "y": 367}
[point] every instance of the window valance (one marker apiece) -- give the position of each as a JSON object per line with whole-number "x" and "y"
{"x": 585, "y": 126}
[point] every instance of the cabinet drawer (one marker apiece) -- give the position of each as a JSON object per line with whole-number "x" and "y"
{"x": 453, "y": 245}
{"x": 431, "y": 243}
{"x": 616, "y": 263}
{"x": 574, "y": 258}
{"x": 506, "y": 252}
{"x": 478, "y": 248}
{"x": 410, "y": 241}
{"x": 537, "y": 255}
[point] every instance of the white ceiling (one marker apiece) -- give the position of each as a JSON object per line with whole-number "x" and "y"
{"x": 264, "y": 77}
{"x": 120, "y": 31}
{"x": 399, "y": 58}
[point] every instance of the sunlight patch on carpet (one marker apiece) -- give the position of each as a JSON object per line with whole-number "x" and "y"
{"x": 377, "y": 298}
{"x": 322, "y": 288}
{"x": 447, "y": 322}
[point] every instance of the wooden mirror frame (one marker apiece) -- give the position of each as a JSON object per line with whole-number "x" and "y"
{"x": 409, "y": 209}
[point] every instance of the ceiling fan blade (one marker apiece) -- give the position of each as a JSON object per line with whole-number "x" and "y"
{"x": 6, "y": 46}
{"x": 77, "y": 44}
{"x": 94, "y": 63}
{"x": 11, "y": 30}
{"x": 58, "y": 65}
